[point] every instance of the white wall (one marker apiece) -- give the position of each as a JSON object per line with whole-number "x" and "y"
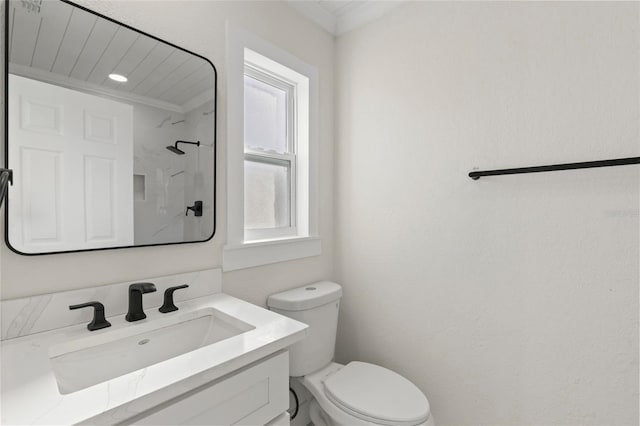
{"x": 508, "y": 300}
{"x": 200, "y": 27}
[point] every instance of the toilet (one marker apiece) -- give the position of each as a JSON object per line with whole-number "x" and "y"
{"x": 358, "y": 393}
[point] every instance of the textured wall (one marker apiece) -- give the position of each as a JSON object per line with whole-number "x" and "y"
{"x": 199, "y": 26}
{"x": 508, "y": 300}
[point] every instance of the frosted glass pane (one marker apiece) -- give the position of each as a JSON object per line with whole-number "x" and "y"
{"x": 265, "y": 116}
{"x": 266, "y": 195}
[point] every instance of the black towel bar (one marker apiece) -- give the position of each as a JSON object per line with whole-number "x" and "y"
{"x": 475, "y": 175}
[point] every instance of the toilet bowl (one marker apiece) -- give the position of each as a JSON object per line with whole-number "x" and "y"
{"x": 366, "y": 394}
{"x": 358, "y": 393}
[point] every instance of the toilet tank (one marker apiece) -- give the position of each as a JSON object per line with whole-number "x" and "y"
{"x": 317, "y": 306}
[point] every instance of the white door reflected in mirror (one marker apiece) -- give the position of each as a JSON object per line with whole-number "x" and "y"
{"x": 59, "y": 136}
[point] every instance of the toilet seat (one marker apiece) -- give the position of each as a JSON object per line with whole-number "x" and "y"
{"x": 377, "y": 395}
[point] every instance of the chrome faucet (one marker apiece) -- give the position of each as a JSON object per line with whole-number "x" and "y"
{"x": 136, "y": 313}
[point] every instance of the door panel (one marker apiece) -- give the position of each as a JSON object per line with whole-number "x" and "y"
{"x": 41, "y": 198}
{"x": 100, "y": 185}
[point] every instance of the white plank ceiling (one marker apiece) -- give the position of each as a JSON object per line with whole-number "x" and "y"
{"x": 57, "y": 41}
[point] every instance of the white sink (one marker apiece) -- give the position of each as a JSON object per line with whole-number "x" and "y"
{"x": 94, "y": 359}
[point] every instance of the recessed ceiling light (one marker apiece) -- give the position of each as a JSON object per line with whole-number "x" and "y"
{"x": 117, "y": 77}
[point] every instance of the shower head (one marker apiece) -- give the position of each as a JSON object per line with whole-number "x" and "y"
{"x": 174, "y": 148}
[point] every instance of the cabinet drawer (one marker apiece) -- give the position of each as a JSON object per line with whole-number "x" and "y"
{"x": 253, "y": 396}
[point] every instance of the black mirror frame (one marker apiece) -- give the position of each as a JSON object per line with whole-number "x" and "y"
{"x": 6, "y": 133}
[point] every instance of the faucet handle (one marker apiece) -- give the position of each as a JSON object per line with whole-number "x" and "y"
{"x": 99, "y": 320}
{"x": 196, "y": 207}
{"x": 168, "y": 305}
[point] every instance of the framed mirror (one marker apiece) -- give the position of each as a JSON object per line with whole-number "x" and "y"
{"x": 111, "y": 133}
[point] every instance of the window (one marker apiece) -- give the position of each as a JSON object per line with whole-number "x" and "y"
{"x": 271, "y": 154}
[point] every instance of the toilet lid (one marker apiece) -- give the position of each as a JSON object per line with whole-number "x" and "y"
{"x": 375, "y": 394}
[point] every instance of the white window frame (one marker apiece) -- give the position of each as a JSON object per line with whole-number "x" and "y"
{"x": 290, "y": 157}
{"x": 248, "y": 249}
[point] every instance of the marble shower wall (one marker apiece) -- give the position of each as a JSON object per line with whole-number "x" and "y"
{"x": 159, "y": 211}
{"x": 173, "y": 182}
{"x": 200, "y": 171}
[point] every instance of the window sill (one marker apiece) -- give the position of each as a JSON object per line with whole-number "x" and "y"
{"x": 256, "y": 253}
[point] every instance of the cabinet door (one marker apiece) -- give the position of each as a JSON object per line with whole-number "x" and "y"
{"x": 281, "y": 420}
{"x": 253, "y": 396}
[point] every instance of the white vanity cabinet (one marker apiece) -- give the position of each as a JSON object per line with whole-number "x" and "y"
{"x": 257, "y": 394}
{"x": 196, "y": 374}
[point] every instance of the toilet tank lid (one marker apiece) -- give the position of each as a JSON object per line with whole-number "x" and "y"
{"x": 306, "y": 297}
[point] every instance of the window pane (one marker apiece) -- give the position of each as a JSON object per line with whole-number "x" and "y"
{"x": 265, "y": 116}
{"x": 266, "y": 195}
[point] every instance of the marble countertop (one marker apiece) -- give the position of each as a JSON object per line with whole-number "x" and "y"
{"x": 29, "y": 391}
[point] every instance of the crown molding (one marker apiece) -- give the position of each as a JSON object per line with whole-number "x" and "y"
{"x": 356, "y": 16}
{"x": 315, "y": 12}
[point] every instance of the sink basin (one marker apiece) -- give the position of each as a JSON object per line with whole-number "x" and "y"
{"x": 94, "y": 359}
